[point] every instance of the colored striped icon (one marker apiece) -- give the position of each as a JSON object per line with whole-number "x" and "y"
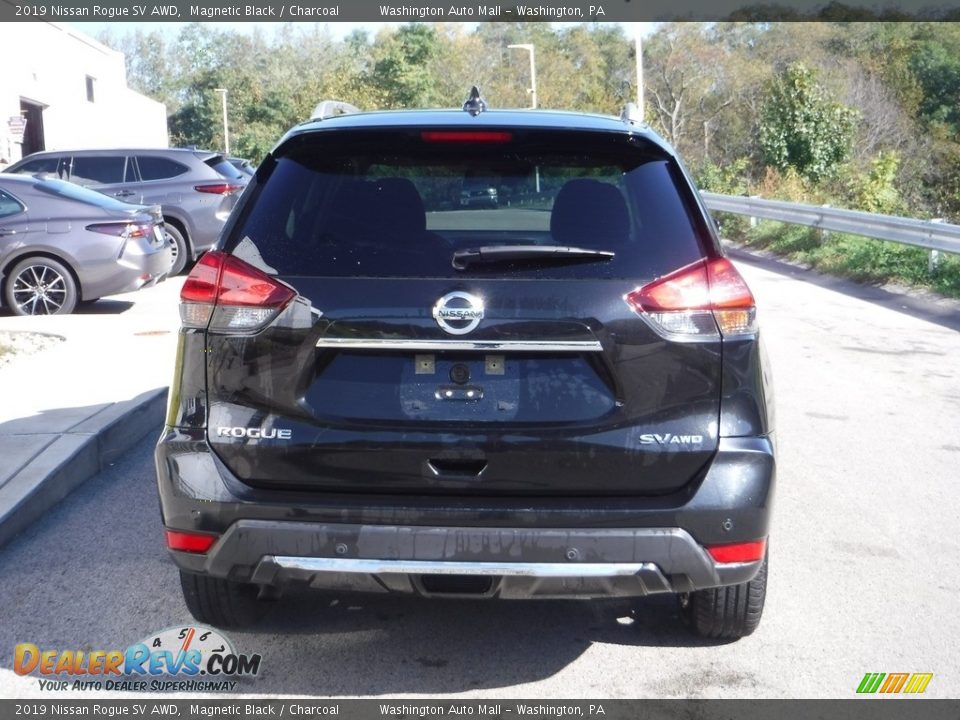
{"x": 909, "y": 683}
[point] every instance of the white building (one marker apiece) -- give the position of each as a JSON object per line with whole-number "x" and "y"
{"x": 72, "y": 92}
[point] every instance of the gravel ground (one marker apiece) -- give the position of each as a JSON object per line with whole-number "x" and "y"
{"x": 18, "y": 344}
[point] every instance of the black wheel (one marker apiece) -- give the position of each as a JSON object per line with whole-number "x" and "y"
{"x": 222, "y": 603}
{"x": 178, "y": 245}
{"x": 40, "y": 286}
{"x": 727, "y": 612}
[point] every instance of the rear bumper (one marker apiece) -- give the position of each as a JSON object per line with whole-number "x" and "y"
{"x": 140, "y": 265}
{"x": 516, "y": 563}
{"x": 519, "y": 547}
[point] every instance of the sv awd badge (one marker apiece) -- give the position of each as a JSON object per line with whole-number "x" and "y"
{"x": 255, "y": 433}
{"x": 670, "y": 439}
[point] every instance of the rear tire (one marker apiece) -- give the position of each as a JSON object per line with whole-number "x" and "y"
{"x": 727, "y": 612}
{"x": 221, "y": 603}
{"x": 179, "y": 246}
{"x": 40, "y": 286}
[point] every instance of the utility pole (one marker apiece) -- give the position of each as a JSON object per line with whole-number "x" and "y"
{"x": 533, "y": 71}
{"x": 226, "y": 131}
{"x": 639, "y": 53}
{"x": 533, "y": 91}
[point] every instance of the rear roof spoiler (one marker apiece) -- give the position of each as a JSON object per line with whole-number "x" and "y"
{"x": 332, "y": 108}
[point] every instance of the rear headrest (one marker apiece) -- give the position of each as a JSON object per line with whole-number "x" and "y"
{"x": 351, "y": 210}
{"x": 400, "y": 206}
{"x": 589, "y": 213}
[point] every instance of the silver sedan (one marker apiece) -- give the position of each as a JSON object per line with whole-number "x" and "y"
{"x": 61, "y": 244}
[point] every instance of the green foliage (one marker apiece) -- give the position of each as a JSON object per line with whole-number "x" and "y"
{"x": 729, "y": 179}
{"x": 876, "y": 192}
{"x": 802, "y": 127}
{"x": 858, "y": 258}
{"x": 398, "y": 73}
{"x": 937, "y": 69}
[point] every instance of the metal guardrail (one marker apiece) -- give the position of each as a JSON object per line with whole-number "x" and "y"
{"x": 929, "y": 234}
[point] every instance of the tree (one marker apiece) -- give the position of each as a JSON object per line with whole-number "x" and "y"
{"x": 687, "y": 85}
{"x": 802, "y": 128}
{"x": 399, "y": 71}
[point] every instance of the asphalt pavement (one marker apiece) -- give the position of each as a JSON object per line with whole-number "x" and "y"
{"x": 863, "y": 578}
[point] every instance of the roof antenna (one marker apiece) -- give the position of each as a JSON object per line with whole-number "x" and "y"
{"x": 475, "y": 104}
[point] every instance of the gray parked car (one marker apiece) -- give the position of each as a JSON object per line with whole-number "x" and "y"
{"x": 61, "y": 244}
{"x": 197, "y": 189}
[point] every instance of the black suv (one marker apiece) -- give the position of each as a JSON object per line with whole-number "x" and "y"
{"x": 560, "y": 395}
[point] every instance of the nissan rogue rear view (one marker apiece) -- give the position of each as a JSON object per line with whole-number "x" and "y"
{"x": 381, "y": 387}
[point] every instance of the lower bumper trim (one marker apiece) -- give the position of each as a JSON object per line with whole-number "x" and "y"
{"x": 424, "y": 567}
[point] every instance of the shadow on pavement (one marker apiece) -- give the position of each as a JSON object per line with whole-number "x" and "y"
{"x": 104, "y": 306}
{"x": 945, "y": 314}
{"x": 94, "y": 574}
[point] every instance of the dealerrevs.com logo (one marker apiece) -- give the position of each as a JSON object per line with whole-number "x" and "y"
{"x": 185, "y": 659}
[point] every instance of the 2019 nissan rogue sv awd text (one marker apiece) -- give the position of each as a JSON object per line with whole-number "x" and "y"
{"x": 379, "y": 390}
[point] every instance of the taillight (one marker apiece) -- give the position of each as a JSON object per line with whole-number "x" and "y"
{"x": 225, "y": 294}
{"x": 122, "y": 229}
{"x": 703, "y": 300}
{"x": 738, "y": 552}
{"x": 465, "y": 136}
{"x": 189, "y": 541}
{"x": 218, "y": 188}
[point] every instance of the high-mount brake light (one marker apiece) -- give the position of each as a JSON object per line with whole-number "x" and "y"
{"x": 704, "y": 300}
{"x": 466, "y": 136}
{"x": 225, "y": 294}
{"x": 738, "y": 552}
{"x": 218, "y": 188}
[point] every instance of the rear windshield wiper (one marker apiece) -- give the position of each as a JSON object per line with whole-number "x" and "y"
{"x": 505, "y": 253}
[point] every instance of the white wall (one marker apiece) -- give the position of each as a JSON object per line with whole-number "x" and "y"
{"x": 47, "y": 63}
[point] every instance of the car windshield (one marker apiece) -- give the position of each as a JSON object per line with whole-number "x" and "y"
{"x": 67, "y": 190}
{"x": 402, "y": 204}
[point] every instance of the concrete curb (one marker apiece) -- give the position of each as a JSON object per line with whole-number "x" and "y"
{"x": 73, "y": 457}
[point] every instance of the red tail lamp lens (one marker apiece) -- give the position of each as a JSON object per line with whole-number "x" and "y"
{"x": 738, "y": 552}
{"x": 703, "y": 285}
{"x": 236, "y": 295}
{"x": 218, "y": 188}
{"x": 190, "y": 542}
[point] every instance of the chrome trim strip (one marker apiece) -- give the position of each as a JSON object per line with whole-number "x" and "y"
{"x": 440, "y": 567}
{"x": 548, "y": 346}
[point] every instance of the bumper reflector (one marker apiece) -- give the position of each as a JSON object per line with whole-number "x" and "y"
{"x": 189, "y": 542}
{"x": 738, "y": 552}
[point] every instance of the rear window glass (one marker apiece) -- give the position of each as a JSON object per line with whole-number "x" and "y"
{"x": 159, "y": 168}
{"x": 223, "y": 166}
{"x": 74, "y": 192}
{"x": 9, "y": 205}
{"x": 53, "y": 165}
{"x": 394, "y": 204}
{"x": 98, "y": 170}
